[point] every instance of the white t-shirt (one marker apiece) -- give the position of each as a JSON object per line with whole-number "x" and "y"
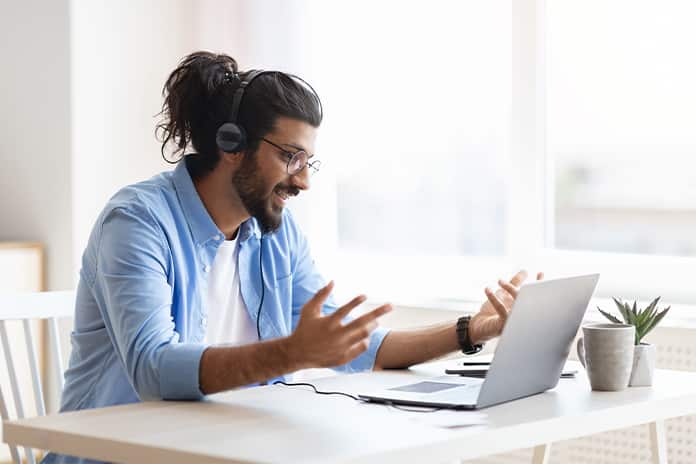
{"x": 228, "y": 319}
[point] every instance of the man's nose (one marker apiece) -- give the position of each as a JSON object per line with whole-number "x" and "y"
{"x": 301, "y": 179}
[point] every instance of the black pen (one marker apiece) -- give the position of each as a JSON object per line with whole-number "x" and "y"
{"x": 475, "y": 363}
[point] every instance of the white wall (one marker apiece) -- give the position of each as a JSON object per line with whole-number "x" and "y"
{"x": 81, "y": 84}
{"x": 122, "y": 52}
{"x": 35, "y": 179}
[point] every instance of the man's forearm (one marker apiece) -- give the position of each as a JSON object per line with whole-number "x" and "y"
{"x": 403, "y": 348}
{"x": 225, "y": 367}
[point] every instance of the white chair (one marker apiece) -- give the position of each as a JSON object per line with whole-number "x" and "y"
{"x": 26, "y": 307}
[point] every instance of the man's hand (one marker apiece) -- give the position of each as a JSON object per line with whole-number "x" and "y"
{"x": 490, "y": 320}
{"x": 324, "y": 341}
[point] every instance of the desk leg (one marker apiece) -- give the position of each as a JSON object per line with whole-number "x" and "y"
{"x": 542, "y": 454}
{"x": 658, "y": 442}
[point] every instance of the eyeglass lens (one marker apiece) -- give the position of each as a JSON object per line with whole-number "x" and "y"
{"x": 297, "y": 162}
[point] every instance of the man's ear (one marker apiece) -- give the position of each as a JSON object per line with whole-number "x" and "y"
{"x": 233, "y": 158}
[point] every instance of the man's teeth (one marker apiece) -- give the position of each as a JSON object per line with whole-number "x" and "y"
{"x": 283, "y": 195}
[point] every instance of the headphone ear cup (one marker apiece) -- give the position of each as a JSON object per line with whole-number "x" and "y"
{"x": 231, "y": 137}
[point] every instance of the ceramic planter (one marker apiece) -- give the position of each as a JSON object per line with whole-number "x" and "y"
{"x": 643, "y": 365}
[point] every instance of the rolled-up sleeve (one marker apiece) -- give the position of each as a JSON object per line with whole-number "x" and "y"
{"x": 135, "y": 299}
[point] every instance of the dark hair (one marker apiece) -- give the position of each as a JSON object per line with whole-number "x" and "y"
{"x": 198, "y": 99}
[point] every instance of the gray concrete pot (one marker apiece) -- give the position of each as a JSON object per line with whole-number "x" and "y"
{"x": 643, "y": 365}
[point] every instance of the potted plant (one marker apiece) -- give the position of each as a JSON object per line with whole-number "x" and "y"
{"x": 644, "y": 320}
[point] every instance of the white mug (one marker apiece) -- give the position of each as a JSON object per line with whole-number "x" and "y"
{"x": 606, "y": 352}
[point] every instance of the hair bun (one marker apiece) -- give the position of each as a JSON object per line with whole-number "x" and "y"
{"x": 213, "y": 70}
{"x": 231, "y": 76}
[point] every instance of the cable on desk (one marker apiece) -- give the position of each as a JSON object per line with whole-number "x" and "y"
{"x": 353, "y": 397}
{"x": 304, "y": 384}
{"x": 418, "y": 409}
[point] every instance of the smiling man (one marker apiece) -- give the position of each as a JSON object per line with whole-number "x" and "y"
{"x": 199, "y": 280}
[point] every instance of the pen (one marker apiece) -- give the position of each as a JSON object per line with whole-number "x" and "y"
{"x": 475, "y": 363}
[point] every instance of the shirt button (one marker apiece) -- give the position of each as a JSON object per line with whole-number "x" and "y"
{"x": 219, "y": 238}
{"x": 206, "y": 268}
{"x": 204, "y": 322}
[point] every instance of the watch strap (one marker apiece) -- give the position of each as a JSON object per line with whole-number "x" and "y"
{"x": 463, "y": 337}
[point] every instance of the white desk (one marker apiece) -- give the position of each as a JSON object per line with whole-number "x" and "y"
{"x": 293, "y": 424}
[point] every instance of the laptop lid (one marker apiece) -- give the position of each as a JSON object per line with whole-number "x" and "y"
{"x": 536, "y": 339}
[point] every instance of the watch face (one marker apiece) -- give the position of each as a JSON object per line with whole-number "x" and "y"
{"x": 474, "y": 349}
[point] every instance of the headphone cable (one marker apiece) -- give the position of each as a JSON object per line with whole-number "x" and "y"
{"x": 263, "y": 292}
{"x": 353, "y": 397}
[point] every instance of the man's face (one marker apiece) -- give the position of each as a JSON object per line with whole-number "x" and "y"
{"x": 262, "y": 180}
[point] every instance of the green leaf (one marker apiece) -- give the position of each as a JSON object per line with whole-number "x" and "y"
{"x": 640, "y": 317}
{"x": 609, "y": 316}
{"x": 656, "y": 321}
{"x": 631, "y": 315}
{"x": 655, "y": 309}
{"x": 640, "y": 333}
{"x": 627, "y": 310}
{"x": 648, "y": 313}
{"x": 644, "y": 320}
{"x": 652, "y": 307}
{"x": 622, "y": 309}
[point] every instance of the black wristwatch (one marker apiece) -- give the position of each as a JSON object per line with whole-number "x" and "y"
{"x": 463, "y": 337}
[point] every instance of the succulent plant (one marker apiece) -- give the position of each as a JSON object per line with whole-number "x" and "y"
{"x": 644, "y": 320}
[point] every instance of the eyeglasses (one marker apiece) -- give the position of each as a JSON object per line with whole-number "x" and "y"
{"x": 297, "y": 160}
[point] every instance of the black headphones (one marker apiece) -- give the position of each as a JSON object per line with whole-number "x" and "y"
{"x": 231, "y": 137}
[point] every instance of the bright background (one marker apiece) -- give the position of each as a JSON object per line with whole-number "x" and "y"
{"x": 462, "y": 139}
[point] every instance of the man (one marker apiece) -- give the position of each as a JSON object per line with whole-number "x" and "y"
{"x": 199, "y": 280}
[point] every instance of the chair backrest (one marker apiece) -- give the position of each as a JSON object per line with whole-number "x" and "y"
{"x": 28, "y": 308}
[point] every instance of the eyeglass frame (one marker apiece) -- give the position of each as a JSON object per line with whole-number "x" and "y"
{"x": 315, "y": 165}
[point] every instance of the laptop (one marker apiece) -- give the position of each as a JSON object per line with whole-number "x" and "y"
{"x": 529, "y": 358}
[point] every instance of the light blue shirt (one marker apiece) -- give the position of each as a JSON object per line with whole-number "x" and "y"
{"x": 140, "y": 315}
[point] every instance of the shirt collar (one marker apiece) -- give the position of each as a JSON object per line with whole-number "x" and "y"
{"x": 249, "y": 228}
{"x": 200, "y": 223}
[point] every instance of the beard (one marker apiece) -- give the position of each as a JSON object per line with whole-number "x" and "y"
{"x": 257, "y": 198}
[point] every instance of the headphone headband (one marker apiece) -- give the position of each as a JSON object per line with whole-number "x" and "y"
{"x": 239, "y": 93}
{"x": 230, "y": 136}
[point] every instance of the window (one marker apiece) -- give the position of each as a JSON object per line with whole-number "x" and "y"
{"x": 620, "y": 125}
{"x": 418, "y": 95}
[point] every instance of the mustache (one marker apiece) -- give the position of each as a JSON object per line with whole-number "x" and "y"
{"x": 290, "y": 190}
